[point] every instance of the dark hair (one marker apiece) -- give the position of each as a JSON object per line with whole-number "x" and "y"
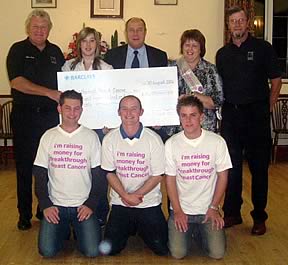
{"x": 193, "y": 34}
{"x": 81, "y": 36}
{"x": 235, "y": 9}
{"x": 71, "y": 94}
{"x": 130, "y": 96}
{"x": 136, "y": 19}
{"x": 189, "y": 100}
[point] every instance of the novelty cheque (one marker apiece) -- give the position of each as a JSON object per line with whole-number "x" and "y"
{"x": 157, "y": 88}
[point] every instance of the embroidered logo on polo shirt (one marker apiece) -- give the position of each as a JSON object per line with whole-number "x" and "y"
{"x": 29, "y": 57}
{"x": 53, "y": 60}
{"x": 250, "y": 56}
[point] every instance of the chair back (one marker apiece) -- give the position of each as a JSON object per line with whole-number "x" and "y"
{"x": 280, "y": 116}
{"x": 5, "y": 122}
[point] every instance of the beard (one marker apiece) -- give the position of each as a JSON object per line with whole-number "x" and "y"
{"x": 238, "y": 35}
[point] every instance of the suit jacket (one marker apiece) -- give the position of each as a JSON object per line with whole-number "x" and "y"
{"x": 117, "y": 57}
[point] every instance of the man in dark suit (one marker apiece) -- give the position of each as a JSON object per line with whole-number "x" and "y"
{"x": 122, "y": 57}
{"x": 137, "y": 54}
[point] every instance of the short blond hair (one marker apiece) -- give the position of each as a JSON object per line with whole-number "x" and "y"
{"x": 38, "y": 13}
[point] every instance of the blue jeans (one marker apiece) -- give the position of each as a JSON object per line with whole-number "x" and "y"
{"x": 51, "y": 236}
{"x": 212, "y": 242}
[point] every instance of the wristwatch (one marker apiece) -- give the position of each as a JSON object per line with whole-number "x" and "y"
{"x": 213, "y": 207}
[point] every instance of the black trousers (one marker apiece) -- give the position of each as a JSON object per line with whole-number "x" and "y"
{"x": 148, "y": 223}
{"x": 246, "y": 129}
{"x": 102, "y": 207}
{"x": 28, "y": 125}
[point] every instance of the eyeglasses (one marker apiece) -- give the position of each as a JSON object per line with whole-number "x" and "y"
{"x": 237, "y": 21}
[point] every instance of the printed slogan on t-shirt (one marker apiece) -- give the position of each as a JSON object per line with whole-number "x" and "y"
{"x": 68, "y": 156}
{"x": 195, "y": 167}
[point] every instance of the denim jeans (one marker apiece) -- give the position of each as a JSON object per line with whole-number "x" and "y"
{"x": 52, "y": 236}
{"x": 212, "y": 242}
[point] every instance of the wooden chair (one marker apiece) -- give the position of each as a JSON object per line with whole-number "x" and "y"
{"x": 279, "y": 117}
{"x": 5, "y": 130}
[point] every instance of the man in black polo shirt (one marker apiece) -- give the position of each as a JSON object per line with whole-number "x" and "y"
{"x": 32, "y": 65}
{"x": 245, "y": 65}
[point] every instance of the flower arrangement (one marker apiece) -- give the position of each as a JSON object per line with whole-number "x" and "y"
{"x": 72, "y": 49}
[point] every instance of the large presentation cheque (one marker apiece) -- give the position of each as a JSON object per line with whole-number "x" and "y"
{"x": 157, "y": 88}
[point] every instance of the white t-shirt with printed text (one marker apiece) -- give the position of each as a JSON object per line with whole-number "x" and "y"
{"x": 195, "y": 164}
{"x": 69, "y": 158}
{"x": 135, "y": 161}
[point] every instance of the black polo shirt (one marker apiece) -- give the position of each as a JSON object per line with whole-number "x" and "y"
{"x": 40, "y": 67}
{"x": 245, "y": 70}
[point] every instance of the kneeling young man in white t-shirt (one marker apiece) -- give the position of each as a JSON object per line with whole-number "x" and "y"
{"x": 66, "y": 182}
{"x": 197, "y": 163}
{"x": 133, "y": 157}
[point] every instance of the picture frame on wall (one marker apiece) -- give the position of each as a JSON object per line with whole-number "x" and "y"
{"x": 43, "y": 3}
{"x": 106, "y": 8}
{"x": 165, "y": 2}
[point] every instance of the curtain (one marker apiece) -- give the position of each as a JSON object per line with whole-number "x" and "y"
{"x": 248, "y": 5}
